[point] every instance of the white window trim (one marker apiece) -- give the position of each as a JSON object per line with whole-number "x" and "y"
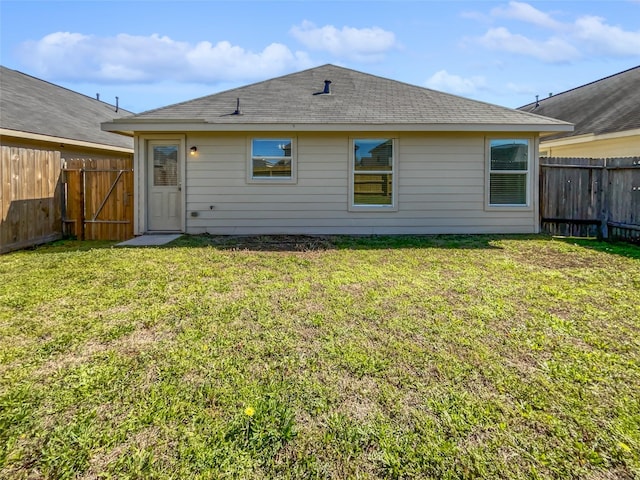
{"x": 394, "y": 176}
{"x": 528, "y": 206}
{"x": 273, "y": 180}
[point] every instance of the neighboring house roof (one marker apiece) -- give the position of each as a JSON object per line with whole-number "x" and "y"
{"x": 356, "y": 101}
{"x": 608, "y": 105}
{"x": 34, "y": 108}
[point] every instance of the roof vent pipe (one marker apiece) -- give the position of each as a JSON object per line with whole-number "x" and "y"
{"x": 327, "y": 87}
{"x": 537, "y": 102}
{"x": 97, "y": 96}
{"x": 116, "y": 104}
{"x": 238, "y": 111}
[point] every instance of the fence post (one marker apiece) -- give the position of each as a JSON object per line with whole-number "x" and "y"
{"x": 80, "y": 213}
{"x": 605, "y": 198}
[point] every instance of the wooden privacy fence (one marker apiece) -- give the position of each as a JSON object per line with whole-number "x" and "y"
{"x": 99, "y": 199}
{"x": 43, "y": 197}
{"x": 591, "y": 197}
{"x": 30, "y": 197}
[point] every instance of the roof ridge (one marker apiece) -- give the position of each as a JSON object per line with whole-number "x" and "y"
{"x": 380, "y": 77}
{"x": 65, "y": 88}
{"x": 242, "y": 87}
{"x": 580, "y": 86}
{"x": 420, "y": 87}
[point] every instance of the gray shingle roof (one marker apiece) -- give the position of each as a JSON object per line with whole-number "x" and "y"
{"x": 356, "y": 98}
{"x": 28, "y": 104}
{"x": 611, "y": 104}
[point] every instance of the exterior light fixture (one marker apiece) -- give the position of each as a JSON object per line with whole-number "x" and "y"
{"x": 194, "y": 150}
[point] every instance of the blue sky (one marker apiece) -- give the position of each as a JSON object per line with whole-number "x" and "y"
{"x": 155, "y": 53}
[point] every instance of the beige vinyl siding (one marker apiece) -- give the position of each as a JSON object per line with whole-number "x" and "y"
{"x": 593, "y": 146}
{"x": 441, "y": 189}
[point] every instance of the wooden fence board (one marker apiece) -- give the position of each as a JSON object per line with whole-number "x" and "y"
{"x": 29, "y": 182}
{"x": 29, "y": 200}
{"x": 587, "y": 197}
{"x": 5, "y": 193}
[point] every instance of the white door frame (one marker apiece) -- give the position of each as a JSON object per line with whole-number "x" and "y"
{"x": 141, "y": 174}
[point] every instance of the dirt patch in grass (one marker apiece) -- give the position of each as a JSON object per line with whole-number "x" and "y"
{"x": 144, "y": 440}
{"x": 128, "y": 345}
{"x": 564, "y": 254}
{"x": 358, "y": 397}
{"x": 82, "y": 354}
{"x": 264, "y": 243}
{"x": 554, "y": 260}
{"x": 142, "y": 339}
{"x": 616, "y": 474}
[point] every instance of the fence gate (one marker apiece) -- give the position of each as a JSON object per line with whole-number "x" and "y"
{"x": 99, "y": 199}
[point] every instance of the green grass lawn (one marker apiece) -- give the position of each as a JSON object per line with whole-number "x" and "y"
{"x": 411, "y": 357}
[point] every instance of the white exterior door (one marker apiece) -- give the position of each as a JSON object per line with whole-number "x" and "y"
{"x": 164, "y": 212}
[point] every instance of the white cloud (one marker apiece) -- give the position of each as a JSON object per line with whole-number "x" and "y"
{"x": 582, "y": 37}
{"x": 132, "y": 58}
{"x": 605, "y": 39}
{"x": 527, "y": 13}
{"x": 224, "y": 61}
{"x": 447, "y": 82}
{"x": 360, "y": 44}
{"x": 521, "y": 89}
{"x": 552, "y": 50}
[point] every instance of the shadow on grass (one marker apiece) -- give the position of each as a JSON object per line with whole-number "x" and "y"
{"x": 299, "y": 243}
{"x": 304, "y": 243}
{"x": 307, "y": 243}
{"x": 623, "y": 249}
{"x": 69, "y": 245}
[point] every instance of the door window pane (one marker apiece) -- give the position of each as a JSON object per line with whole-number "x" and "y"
{"x": 165, "y": 166}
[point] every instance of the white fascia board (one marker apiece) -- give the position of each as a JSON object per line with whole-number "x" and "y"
{"x": 201, "y": 126}
{"x": 126, "y": 126}
{"x": 62, "y": 140}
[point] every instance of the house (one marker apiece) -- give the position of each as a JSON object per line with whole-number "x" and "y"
{"x": 606, "y": 114}
{"x": 330, "y": 150}
{"x": 39, "y": 115}
{"x": 44, "y": 127}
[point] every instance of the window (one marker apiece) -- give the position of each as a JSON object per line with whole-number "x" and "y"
{"x": 372, "y": 173}
{"x": 509, "y": 172}
{"x": 165, "y": 165}
{"x": 272, "y": 160}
